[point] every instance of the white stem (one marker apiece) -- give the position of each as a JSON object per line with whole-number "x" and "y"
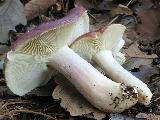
{"x": 100, "y": 91}
{"x": 117, "y": 73}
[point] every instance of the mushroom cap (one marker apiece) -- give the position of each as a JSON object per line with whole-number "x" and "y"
{"x": 58, "y": 29}
{"x": 47, "y": 38}
{"x": 25, "y": 66}
{"x": 106, "y": 38}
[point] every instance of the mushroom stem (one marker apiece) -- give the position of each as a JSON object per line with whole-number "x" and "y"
{"x": 99, "y": 90}
{"x": 117, "y": 73}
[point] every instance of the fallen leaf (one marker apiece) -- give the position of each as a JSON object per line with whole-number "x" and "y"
{"x": 148, "y": 26}
{"x": 148, "y": 116}
{"x": 36, "y": 7}
{"x": 134, "y": 52}
{"x": 73, "y": 101}
{"x": 142, "y": 5}
{"x": 136, "y": 58}
{"x": 155, "y": 87}
{"x": 120, "y": 10}
{"x": 106, "y": 5}
{"x": 11, "y": 14}
{"x": 145, "y": 72}
{"x": 87, "y": 4}
{"x": 45, "y": 90}
{"x": 96, "y": 4}
{"x": 120, "y": 117}
{"x": 136, "y": 63}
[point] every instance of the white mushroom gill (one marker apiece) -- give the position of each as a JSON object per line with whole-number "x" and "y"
{"x": 23, "y": 73}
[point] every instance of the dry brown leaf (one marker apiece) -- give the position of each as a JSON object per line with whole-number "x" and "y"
{"x": 155, "y": 87}
{"x": 145, "y": 72}
{"x": 87, "y": 4}
{"x": 11, "y": 14}
{"x": 44, "y": 90}
{"x": 136, "y": 57}
{"x": 142, "y": 5}
{"x": 136, "y": 63}
{"x": 97, "y": 4}
{"x": 120, "y": 10}
{"x": 148, "y": 116}
{"x": 120, "y": 117}
{"x": 36, "y": 7}
{"x": 106, "y": 5}
{"x": 73, "y": 101}
{"x": 148, "y": 27}
{"x": 134, "y": 52}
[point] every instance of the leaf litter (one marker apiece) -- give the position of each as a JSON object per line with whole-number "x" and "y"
{"x": 141, "y": 50}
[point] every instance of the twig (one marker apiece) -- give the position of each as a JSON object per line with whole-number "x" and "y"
{"x": 92, "y": 16}
{"x": 141, "y": 57}
{"x": 9, "y": 114}
{"x": 144, "y": 57}
{"x": 129, "y": 3}
{"x": 115, "y": 18}
{"x": 14, "y": 100}
{"x": 13, "y": 103}
{"x": 32, "y": 112}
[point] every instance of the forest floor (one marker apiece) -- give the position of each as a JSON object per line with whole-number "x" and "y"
{"x": 142, "y": 51}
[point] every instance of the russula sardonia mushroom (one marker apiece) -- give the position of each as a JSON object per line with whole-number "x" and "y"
{"x": 25, "y": 67}
{"x": 51, "y": 48}
{"x": 99, "y": 46}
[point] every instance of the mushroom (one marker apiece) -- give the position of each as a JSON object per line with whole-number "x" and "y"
{"x": 100, "y": 46}
{"x": 24, "y": 69}
{"x": 51, "y": 48}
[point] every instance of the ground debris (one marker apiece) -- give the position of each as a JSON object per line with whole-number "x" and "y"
{"x": 121, "y": 117}
{"x": 36, "y": 7}
{"x": 148, "y": 116}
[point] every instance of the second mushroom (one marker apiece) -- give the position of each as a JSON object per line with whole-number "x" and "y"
{"x": 100, "y": 46}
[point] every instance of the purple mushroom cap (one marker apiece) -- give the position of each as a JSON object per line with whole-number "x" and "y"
{"x": 26, "y": 64}
{"x": 72, "y": 16}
